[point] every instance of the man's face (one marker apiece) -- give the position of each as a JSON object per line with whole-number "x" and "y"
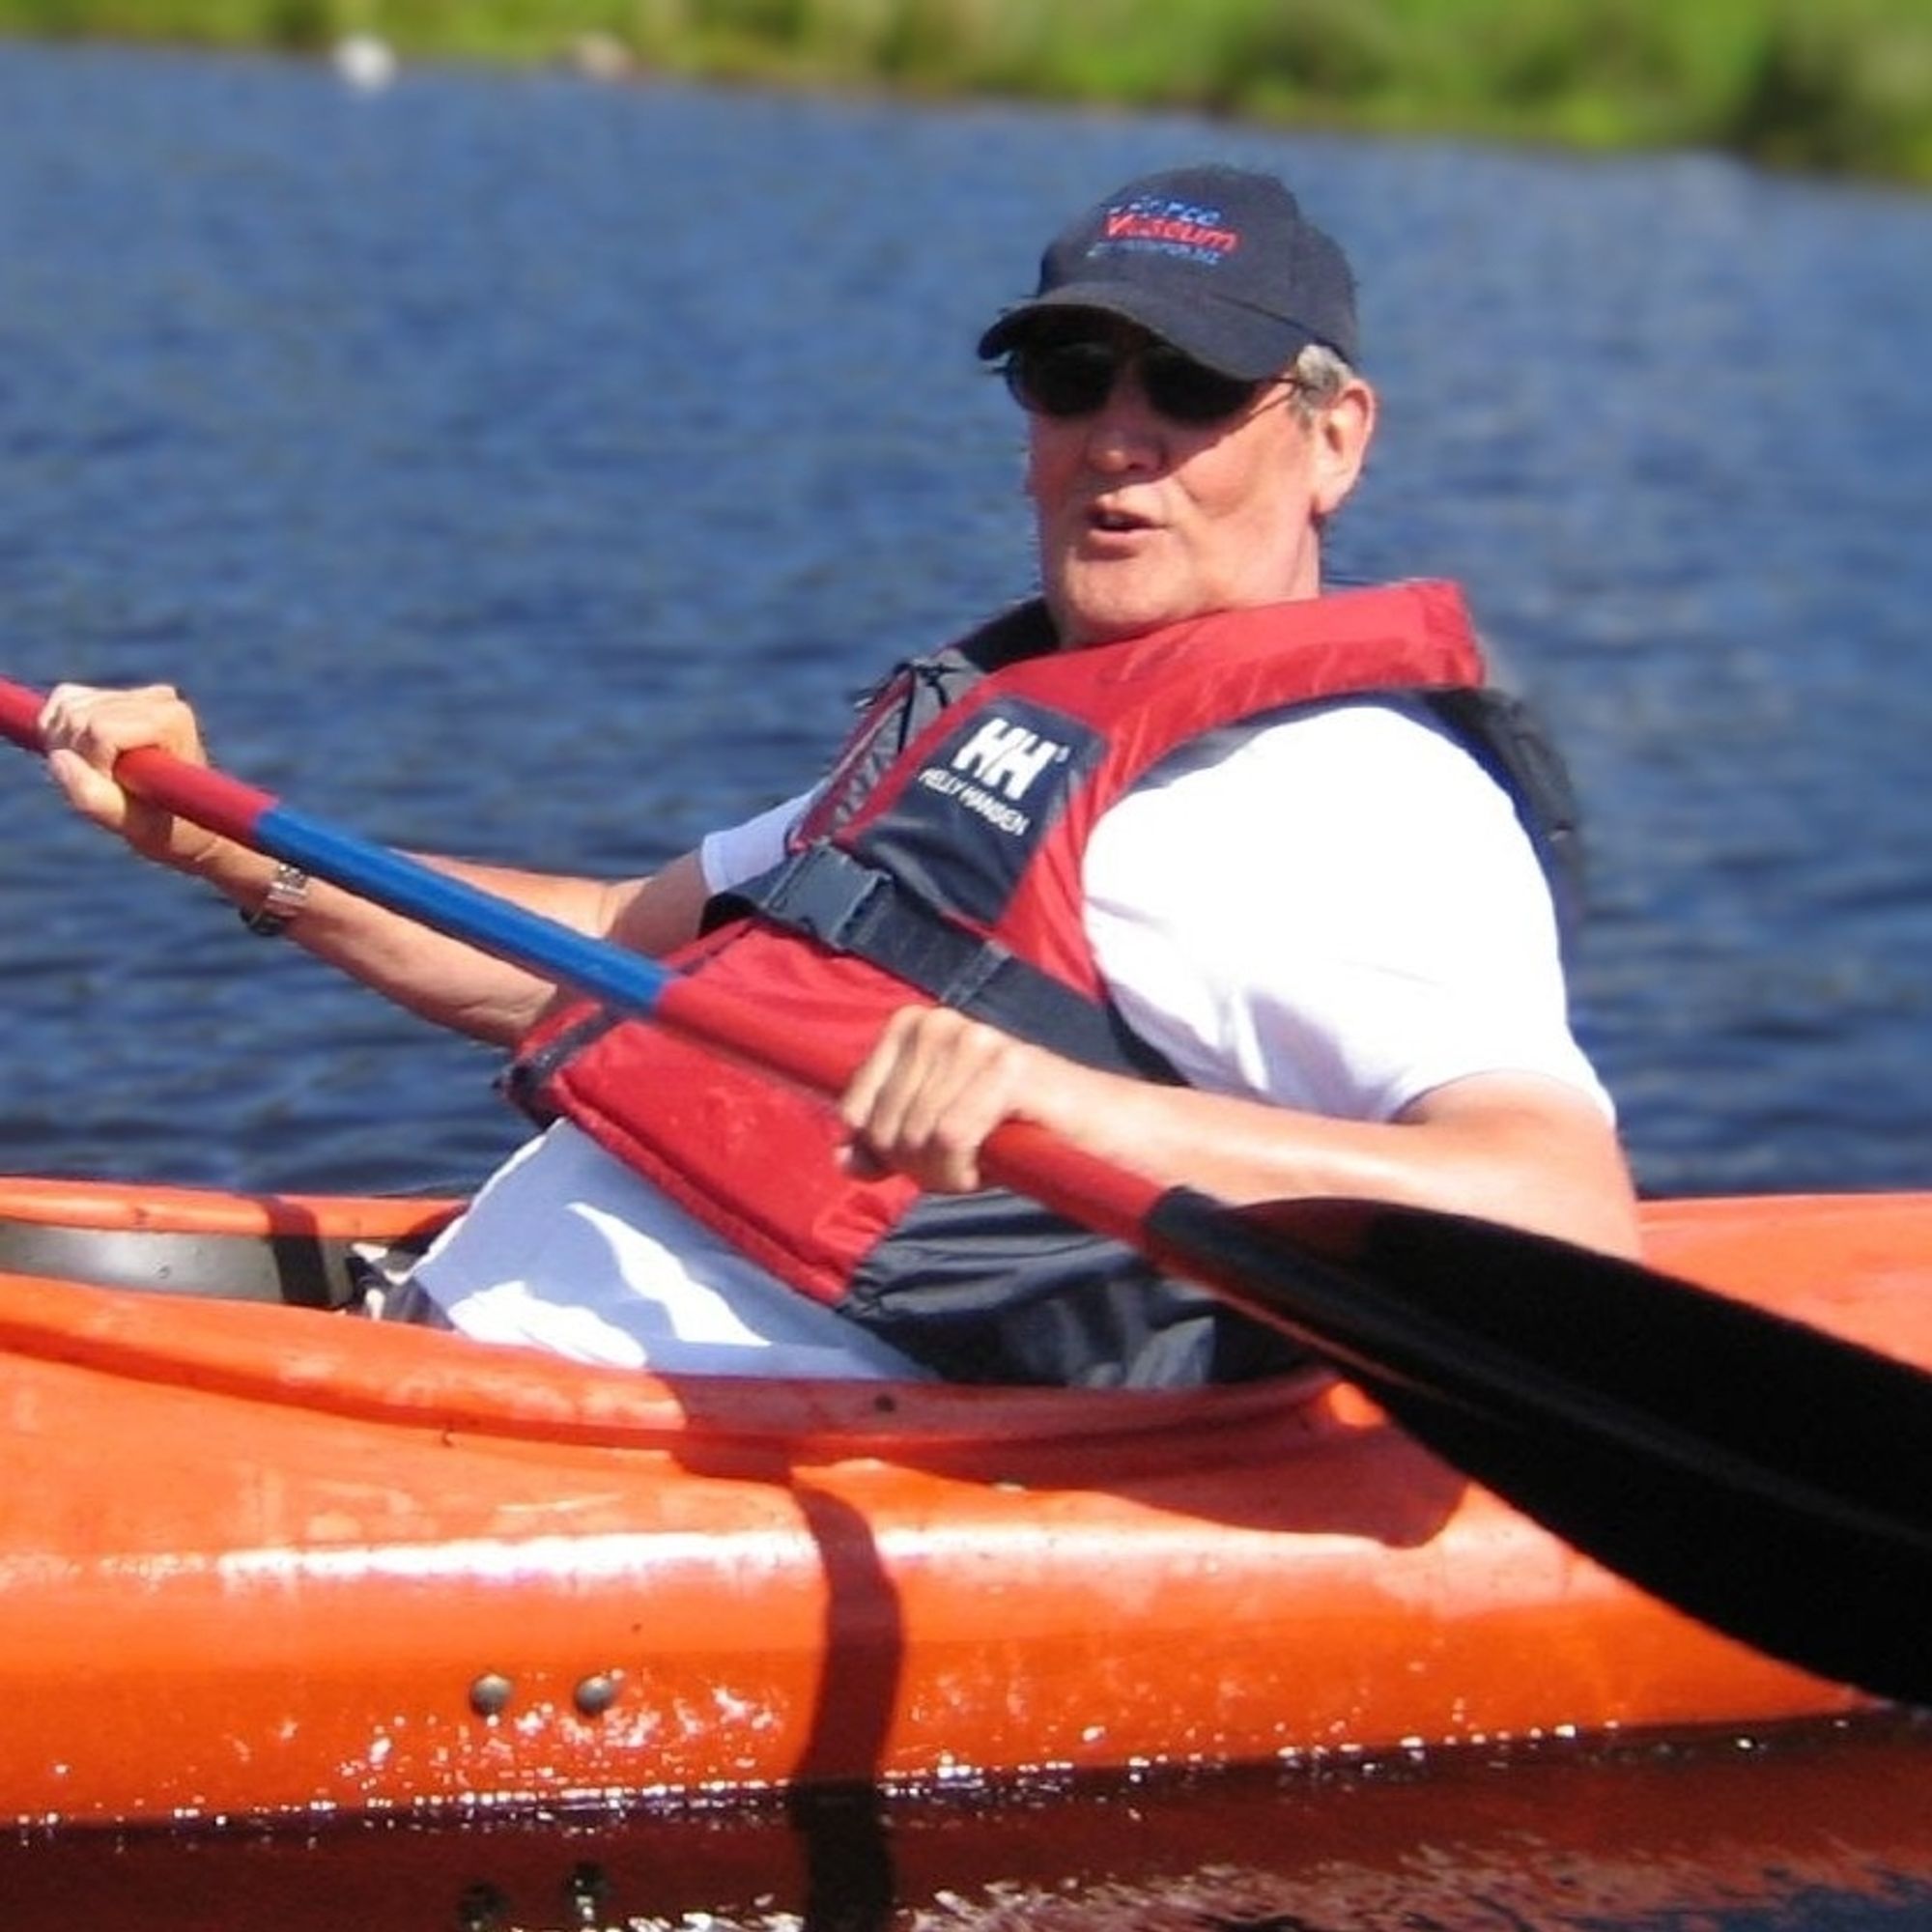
{"x": 1143, "y": 520}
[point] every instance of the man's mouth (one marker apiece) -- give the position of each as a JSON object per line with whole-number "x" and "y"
{"x": 1113, "y": 521}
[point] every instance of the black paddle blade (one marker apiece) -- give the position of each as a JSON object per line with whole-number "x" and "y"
{"x": 1769, "y": 1479}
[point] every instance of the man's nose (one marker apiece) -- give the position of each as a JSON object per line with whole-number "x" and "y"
{"x": 1126, "y": 431}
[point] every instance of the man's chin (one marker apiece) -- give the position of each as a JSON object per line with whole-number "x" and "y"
{"x": 1090, "y": 612}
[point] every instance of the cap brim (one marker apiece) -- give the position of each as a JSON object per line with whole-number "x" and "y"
{"x": 1237, "y": 341}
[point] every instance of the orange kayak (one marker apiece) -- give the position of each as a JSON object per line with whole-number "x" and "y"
{"x": 261, "y": 1559}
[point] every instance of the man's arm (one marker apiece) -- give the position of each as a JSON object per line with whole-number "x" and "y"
{"x": 442, "y": 979}
{"x": 451, "y": 984}
{"x": 1520, "y": 1149}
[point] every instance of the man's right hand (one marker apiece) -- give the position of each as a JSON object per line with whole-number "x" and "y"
{"x": 87, "y": 729}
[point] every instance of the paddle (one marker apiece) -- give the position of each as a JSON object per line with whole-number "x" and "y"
{"x": 1765, "y": 1477}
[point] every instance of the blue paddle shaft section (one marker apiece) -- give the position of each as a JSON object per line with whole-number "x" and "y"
{"x": 464, "y": 912}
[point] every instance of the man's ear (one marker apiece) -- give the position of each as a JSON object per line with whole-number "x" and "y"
{"x": 1342, "y": 434}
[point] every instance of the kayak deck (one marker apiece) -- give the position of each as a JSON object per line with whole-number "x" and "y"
{"x": 261, "y": 1559}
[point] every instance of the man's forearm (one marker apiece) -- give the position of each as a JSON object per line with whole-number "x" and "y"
{"x": 443, "y": 980}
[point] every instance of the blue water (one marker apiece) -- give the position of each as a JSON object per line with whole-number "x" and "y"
{"x": 517, "y": 467}
{"x": 524, "y": 468}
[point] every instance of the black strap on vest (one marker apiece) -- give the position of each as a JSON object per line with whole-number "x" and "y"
{"x": 827, "y": 896}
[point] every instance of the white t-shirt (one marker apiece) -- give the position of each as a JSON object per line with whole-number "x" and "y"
{"x": 1339, "y": 915}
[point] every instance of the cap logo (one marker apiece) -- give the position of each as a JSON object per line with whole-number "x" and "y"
{"x": 1152, "y": 224}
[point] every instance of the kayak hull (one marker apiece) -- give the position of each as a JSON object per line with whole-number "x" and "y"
{"x": 260, "y": 1560}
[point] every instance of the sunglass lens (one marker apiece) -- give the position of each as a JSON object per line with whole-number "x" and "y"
{"x": 1188, "y": 391}
{"x": 1061, "y": 379}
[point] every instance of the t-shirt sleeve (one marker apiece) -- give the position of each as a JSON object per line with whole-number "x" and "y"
{"x": 739, "y": 852}
{"x": 1340, "y": 915}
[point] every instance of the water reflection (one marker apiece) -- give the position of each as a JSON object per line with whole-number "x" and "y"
{"x": 1808, "y": 1828}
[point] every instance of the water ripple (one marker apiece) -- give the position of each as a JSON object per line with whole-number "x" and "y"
{"x": 535, "y": 469}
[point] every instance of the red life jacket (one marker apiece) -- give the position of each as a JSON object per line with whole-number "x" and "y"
{"x": 951, "y": 871}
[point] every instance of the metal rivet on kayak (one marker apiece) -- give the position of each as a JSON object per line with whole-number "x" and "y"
{"x": 596, "y": 1694}
{"x": 489, "y": 1694}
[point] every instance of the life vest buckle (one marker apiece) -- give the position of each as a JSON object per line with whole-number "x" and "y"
{"x": 824, "y": 893}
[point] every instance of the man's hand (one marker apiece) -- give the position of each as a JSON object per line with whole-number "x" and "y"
{"x": 86, "y": 729}
{"x": 932, "y": 1090}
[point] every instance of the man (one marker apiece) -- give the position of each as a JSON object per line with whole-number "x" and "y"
{"x": 1224, "y": 879}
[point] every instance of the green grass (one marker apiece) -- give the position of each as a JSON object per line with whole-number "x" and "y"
{"x": 1830, "y": 85}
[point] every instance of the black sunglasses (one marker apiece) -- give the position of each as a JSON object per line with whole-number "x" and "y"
{"x": 1074, "y": 377}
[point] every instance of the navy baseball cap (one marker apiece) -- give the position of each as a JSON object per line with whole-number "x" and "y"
{"x": 1219, "y": 261}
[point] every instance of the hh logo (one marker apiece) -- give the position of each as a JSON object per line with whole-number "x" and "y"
{"x": 1008, "y": 755}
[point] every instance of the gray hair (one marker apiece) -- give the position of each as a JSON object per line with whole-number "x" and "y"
{"x": 1318, "y": 376}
